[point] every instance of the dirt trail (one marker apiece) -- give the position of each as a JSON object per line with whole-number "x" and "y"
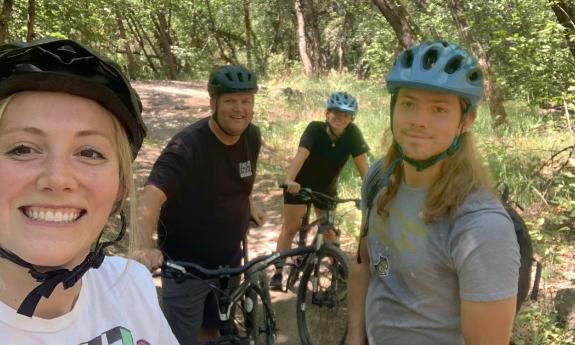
{"x": 169, "y": 106}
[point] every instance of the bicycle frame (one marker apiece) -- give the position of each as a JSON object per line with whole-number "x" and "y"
{"x": 324, "y": 223}
{"x": 226, "y": 301}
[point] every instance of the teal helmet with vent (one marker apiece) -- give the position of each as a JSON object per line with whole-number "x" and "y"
{"x": 438, "y": 66}
{"x": 342, "y": 101}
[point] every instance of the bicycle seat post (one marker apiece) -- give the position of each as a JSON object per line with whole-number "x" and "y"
{"x": 304, "y": 222}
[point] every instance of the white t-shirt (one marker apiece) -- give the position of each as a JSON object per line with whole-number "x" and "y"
{"x": 117, "y": 305}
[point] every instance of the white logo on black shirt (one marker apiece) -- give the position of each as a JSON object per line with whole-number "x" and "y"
{"x": 245, "y": 169}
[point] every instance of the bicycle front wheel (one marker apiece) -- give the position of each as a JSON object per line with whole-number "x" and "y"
{"x": 254, "y": 319}
{"x": 322, "y": 298}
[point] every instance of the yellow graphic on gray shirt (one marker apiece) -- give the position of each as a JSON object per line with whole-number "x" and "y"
{"x": 403, "y": 241}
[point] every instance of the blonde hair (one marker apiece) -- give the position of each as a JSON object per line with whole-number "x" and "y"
{"x": 127, "y": 194}
{"x": 4, "y": 104}
{"x": 461, "y": 174}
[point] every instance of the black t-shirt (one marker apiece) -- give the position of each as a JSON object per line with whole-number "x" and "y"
{"x": 322, "y": 167}
{"x": 207, "y": 184}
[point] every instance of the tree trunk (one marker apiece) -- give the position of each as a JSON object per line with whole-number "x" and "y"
{"x": 5, "y": 17}
{"x": 134, "y": 28}
{"x": 318, "y": 61}
{"x": 165, "y": 41}
{"x": 31, "y": 35}
{"x": 127, "y": 48}
{"x": 247, "y": 23}
{"x": 400, "y": 21}
{"x": 492, "y": 92}
{"x": 302, "y": 43}
{"x": 421, "y": 5}
{"x": 342, "y": 40}
{"x": 565, "y": 13}
{"x": 219, "y": 42}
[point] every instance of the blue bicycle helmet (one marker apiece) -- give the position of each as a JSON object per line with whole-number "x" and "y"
{"x": 342, "y": 101}
{"x": 438, "y": 66}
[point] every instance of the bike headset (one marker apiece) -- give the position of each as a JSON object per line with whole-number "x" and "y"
{"x": 436, "y": 66}
{"x": 66, "y": 66}
{"x": 230, "y": 79}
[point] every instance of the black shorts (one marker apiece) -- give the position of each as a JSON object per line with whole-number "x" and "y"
{"x": 290, "y": 199}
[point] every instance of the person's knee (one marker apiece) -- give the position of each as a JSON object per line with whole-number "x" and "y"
{"x": 291, "y": 226}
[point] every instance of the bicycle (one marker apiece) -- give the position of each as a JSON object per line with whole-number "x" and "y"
{"x": 322, "y": 293}
{"x": 246, "y": 315}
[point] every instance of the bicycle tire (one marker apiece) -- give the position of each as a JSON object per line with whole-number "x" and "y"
{"x": 322, "y": 316}
{"x": 256, "y": 321}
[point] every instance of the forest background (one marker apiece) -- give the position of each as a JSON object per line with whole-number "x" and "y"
{"x": 305, "y": 49}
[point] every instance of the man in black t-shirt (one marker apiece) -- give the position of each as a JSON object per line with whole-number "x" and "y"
{"x": 198, "y": 196}
{"x": 324, "y": 148}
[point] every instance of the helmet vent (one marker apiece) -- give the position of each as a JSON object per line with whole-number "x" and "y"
{"x": 229, "y": 76}
{"x": 240, "y": 77}
{"x": 430, "y": 58}
{"x": 407, "y": 60}
{"x": 454, "y": 64}
{"x": 475, "y": 76}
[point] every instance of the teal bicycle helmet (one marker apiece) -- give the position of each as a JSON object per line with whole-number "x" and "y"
{"x": 342, "y": 101}
{"x": 438, "y": 66}
{"x": 231, "y": 79}
{"x": 67, "y": 66}
{"x": 64, "y": 65}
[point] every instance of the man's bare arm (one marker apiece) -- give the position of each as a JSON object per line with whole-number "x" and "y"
{"x": 151, "y": 202}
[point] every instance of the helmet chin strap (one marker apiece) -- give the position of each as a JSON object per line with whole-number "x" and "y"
{"x": 426, "y": 163}
{"x": 50, "y": 279}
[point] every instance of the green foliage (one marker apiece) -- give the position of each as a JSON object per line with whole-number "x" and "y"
{"x": 536, "y": 325}
{"x": 528, "y": 52}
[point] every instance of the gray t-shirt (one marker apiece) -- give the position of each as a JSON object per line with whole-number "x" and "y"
{"x": 420, "y": 272}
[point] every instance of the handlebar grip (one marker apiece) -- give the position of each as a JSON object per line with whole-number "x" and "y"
{"x": 283, "y": 186}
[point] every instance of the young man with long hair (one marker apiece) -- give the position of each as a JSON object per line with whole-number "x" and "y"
{"x": 438, "y": 261}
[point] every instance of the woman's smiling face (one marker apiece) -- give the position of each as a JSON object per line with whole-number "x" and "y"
{"x": 59, "y": 176}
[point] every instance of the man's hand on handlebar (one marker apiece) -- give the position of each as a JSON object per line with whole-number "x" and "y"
{"x": 152, "y": 258}
{"x": 291, "y": 187}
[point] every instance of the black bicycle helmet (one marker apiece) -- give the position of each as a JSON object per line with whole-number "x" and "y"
{"x": 65, "y": 65}
{"x": 230, "y": 79}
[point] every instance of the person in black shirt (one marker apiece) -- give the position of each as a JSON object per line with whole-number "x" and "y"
{"x": 198, "y": 195}
{"x": 324, "y": 149}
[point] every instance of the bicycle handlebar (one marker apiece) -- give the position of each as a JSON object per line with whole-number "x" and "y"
{"x": 205, "y": 273}
{"x": 308, "y": 194}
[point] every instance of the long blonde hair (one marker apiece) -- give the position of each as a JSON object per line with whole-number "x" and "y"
{"x": 461, "y": 174}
